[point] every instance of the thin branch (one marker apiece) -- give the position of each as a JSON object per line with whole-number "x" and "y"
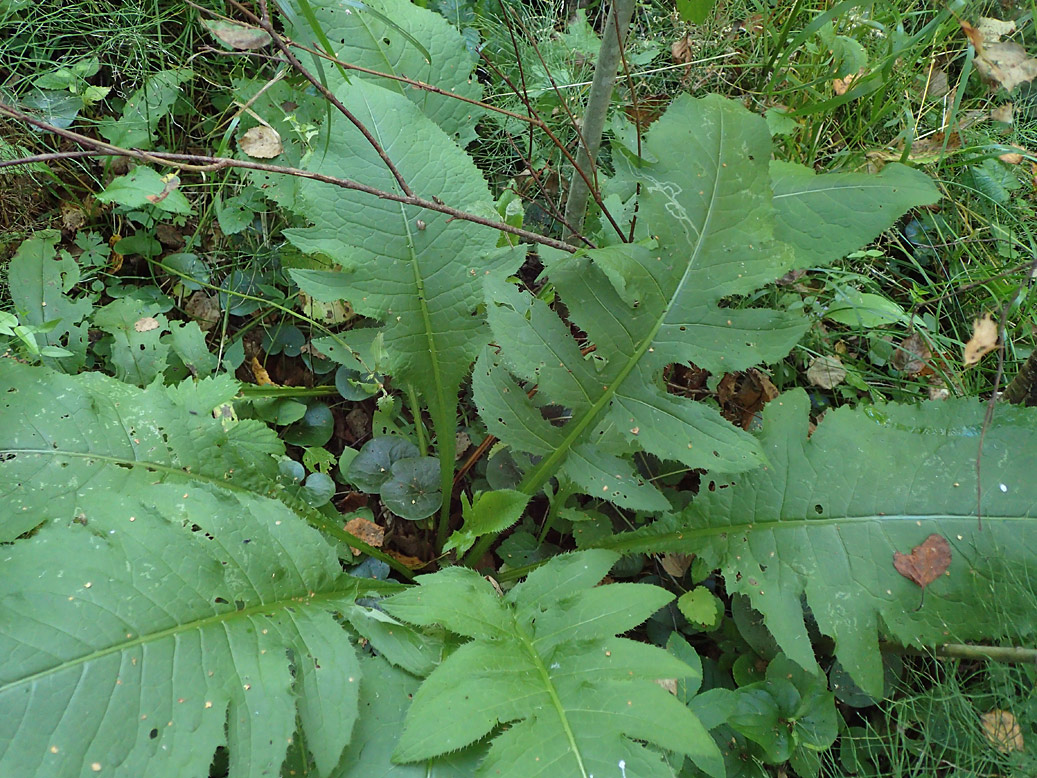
{"x": 205, "y": 164}
{"x": 265, "y": 24}
{"x": 558, "y": 144}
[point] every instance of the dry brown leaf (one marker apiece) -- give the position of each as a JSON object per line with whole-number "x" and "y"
{"x": 680, "y": 50}
{"x": 826, "y": 372}
{"x": 982, "y": 342}
{"x": 147, "y": 324}
{"x": 262, "y": 377}
{"x": 169, "y": 235}
{"x": 1003, "y": 731}
{"x": 911, "y": 355}
{"x": 203, "y": 308}
{"x": 1003, "y": 62}
{"x": 369, "y": 532}
{"x": 926, "y": 562}
{"x": 676, "y": 564}
{"x": 842, "y": 85}
{"x": 1003, "y": 113}
{"x": 261, "y": 142}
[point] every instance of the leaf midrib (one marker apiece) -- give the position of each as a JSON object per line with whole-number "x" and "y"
{"x": 310, "y": 515}
{"x": 625, "y": 542}
{"x": 199, "y": 624}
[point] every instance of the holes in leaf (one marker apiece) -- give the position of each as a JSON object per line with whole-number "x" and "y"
{"x": 153, "y": 734}
{"x": 387, "y": 42}
{"x": 818, "y": 509}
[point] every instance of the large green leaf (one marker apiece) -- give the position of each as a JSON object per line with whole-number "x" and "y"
{"x": 708, "y": 228}
{"x": 39, "y": 284}
{"x": 417, "y": 272}
{"x": 824, "y": 217}
{"x": 371, "y": 40}
{"x": 545, "y": 660}
{"x": 825, "y": 518}
{"x": 62, "y": 434}
{"x": 157, "y": 614}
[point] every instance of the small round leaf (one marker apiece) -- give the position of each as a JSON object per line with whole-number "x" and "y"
{"x": 372, "y": 467}
{"x": 413, "y": 491}
{"x": 313, "y": 429}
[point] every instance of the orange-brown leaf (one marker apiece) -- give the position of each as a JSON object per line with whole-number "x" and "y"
{"x": 926, "y": 562}
{"x": 982, "y": 342}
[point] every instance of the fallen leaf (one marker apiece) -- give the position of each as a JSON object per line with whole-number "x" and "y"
{"x": 842, "y": 85}
{"x": 411, "y": 562}
{"x": 926, "y": 562}
{"x": 982, "y": 342}
{"x": 1003, "y": 113}
{"x": 826, "y": 372}
{"x": 146, "y": 324}
{"x": 203, "y": 308}
{"x": 911, "y": 355}
{"x": 261, "y": 142}
{"x": 676, "y": 564}
{"x": 1012, "y": 157}
{"x": 72, "y": 217}
{"x": 369, "y": 532}
{"x": 1003, "y": 731}
{"x": 680, "y": 50}
{"x": 1003, "y": 62}
{"x": 262, "y": 376}
{"x": 237, "y": 36}
{"x": 169, "y": 235}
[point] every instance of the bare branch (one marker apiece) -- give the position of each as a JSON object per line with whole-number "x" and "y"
{"x": 206, "y": 164}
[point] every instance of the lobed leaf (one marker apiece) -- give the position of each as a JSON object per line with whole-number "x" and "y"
{"x": 157, "y": 613}
{"x": 544, "y": 660}
{"x": 709, "y": 227}
{"x": 418, "y": 273}
{"x": 826, "y": 517}
{"x": 372, "y": 35}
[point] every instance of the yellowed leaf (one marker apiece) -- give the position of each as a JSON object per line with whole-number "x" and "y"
{"x": 335, "y": 312}
{"x": 1003, "y": 731}
{"x": 261, "y": 142}
{"x": 842, "y": 85}
{"x": 982, "y": 342}
{"x": 262, "y": 377}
